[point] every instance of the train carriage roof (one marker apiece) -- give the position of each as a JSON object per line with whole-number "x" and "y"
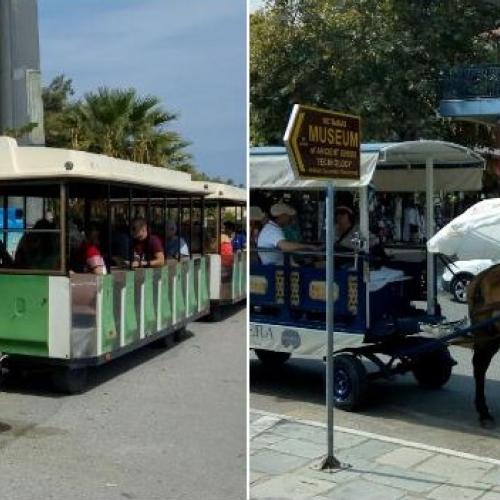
{"x": 223, "y": 192}
{"x": 42, "y": 163}
{"x": 393, "y": 167}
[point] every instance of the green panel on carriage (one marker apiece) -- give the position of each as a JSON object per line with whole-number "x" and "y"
{"x": 166, "y": 304}
{"x": 131, "y": 326}
{"x": 110, "y": 339}
{"x": 203, "y": 284}
{"x": 149, "y": 306}
{"x": 24, "y": 314}
{"x": 192, "y": 301}
{"x": 180, "y": 303}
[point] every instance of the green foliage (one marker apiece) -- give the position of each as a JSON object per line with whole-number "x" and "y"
{"x": 18, "y": 133}
{"x": 115, "y": 122}
{"x": 381, "y": 59}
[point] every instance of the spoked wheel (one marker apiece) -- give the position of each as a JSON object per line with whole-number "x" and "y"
{"x": 459, "y": 287}
{"x": 350, "y": 382}
{"x": 70, "y": 380}
{"x": 272, "y": 358}
{"x": 433, "y": 369}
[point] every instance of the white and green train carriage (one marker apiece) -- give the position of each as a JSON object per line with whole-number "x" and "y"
{"x": 51, "y": 314}
{"x": 225, "y": 203}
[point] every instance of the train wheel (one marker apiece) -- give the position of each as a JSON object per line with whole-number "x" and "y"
{"x": 433, "y": 369}
{"x": 350, "y": 382}
{"x": 165, "y": 342}
{"x": 70, "y": 380}
{"x": 180, "y": 334}
{"x": 272, "y": 358}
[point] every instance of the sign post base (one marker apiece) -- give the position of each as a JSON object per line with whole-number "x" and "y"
{"x": 330, "y": 464}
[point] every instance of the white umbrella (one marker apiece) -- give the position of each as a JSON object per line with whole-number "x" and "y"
{"x": 475, "y": 234}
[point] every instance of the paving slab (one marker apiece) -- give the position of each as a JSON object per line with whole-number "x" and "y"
{"x": 455, "y": 467}
{"x": 274, "y": 462}
{"x": 299, "y": 448}
{"x": 365, "y": 490}
{"x": 492, "y": 476}
{"x": 491, "y": 495}
{"x": 292, "y": 486}
{"x": 410, "y": 481}
{"x": 262, "y": 424}
{"x": 463, "y": 492}
{"x": 301, "y": 431}
{"x": 266, "y": 439}
{"x": 368, "y": 450}
{"x": 404, "y": 457}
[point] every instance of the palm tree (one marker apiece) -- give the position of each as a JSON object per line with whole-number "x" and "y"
{"x": 115, "y": 122}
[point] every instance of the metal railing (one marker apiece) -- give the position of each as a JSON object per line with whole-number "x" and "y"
{"x": 470, "y": 82}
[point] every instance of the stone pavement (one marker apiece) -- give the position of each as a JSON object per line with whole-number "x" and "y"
{"x": 284, "y": 454}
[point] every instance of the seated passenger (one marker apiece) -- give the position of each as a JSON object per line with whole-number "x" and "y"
{"x": 346, "y": 229}
{"x": 176, "y": 245}
{"x": 226, "y": 246}
{"x": 38, "y": 249}
{"x": 272, "y": 236}
{"x": 238, "y": 238}
{"x": 90, "y": 256}
{"x": 148, "y": 248}
{"x": 257, "y": 219}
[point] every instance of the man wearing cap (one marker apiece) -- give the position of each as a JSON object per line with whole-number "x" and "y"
{"x": 272, "y": 236}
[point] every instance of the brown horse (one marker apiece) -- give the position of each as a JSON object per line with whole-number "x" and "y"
{"x": 483, "y": 297}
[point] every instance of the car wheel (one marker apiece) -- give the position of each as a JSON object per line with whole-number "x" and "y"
{"x": 459, "y": 286}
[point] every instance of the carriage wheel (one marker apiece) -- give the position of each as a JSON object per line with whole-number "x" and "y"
{"x": 350, "y": 382}
{"x": 272, "y": 358}
{"x": 433, "y": 369}
{"x": 70, "y": 380}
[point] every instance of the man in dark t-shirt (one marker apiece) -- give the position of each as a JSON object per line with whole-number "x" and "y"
{"x": 148, "y": 248}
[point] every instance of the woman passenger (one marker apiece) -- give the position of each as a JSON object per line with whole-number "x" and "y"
{"x": 226, "y": 245}
{"x": 90, "y": 256}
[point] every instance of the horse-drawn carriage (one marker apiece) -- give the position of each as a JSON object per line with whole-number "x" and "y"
{"x": 377, "y": 317}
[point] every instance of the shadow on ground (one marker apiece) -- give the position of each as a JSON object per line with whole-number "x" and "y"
{"x": 450, "y": 407}
{"x": 37, "y": 381}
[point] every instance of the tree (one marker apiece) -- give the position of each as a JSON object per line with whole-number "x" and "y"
{"x": 115, "y": 122}
{"x": 380, "y": 59}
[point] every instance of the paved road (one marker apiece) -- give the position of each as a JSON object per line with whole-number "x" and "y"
{"x": 156, "y": 425}
{"x": 398, "y": 409}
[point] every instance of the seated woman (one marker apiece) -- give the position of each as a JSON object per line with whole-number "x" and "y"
{"x": 345, "y": 234}
{"x": 90, "y": 258}
{"x": 226, "y": 245}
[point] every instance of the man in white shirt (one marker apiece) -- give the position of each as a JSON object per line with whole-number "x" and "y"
{"x": 272, "y": 237}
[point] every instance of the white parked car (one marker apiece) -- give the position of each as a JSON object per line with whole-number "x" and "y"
{"x": 456, "y": 282}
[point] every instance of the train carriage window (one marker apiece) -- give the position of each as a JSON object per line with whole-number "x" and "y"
{"x": 30, "y": 228}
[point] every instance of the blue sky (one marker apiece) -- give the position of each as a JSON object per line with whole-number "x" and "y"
{"x": 190, "y": 53}
{"x": 255, "y": 4}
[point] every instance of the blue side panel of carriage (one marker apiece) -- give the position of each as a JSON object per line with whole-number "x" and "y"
{"x": 308, "y": 312}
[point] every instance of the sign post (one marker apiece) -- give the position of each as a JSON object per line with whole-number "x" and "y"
{"x": 325, "y": 145}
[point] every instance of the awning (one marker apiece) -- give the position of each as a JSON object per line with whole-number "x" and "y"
{"x": 393, "y": 167}
{"x": 270, "y": 168}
